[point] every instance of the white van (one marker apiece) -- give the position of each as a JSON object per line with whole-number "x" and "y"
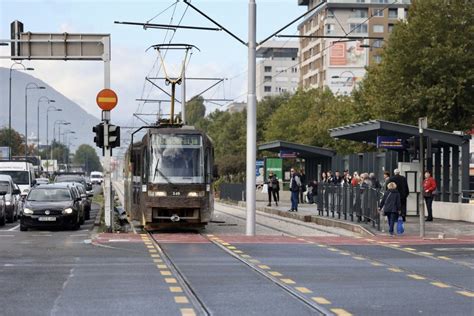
{"x": 97, "y": 177}
{"x": 22, "y": 173}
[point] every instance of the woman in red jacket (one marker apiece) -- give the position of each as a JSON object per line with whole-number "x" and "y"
{"x": 429, "y": 186}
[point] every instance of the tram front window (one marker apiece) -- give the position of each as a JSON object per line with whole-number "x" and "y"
{"x": 176, "y": 159}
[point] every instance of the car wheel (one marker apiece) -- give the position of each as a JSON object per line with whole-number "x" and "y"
{"x": 2, "y": 220}
{"x": 23, "y": 228}
{"x": 11, "y": 219}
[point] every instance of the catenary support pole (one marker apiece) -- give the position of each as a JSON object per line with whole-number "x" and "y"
{"x": 108, "y": 207}
{"x": 422, "y": 124}
{"x": 183, "y": 94}
{"x": 251, "y": 120}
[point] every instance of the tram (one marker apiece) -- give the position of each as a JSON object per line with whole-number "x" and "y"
{"x": 168, "y": 178}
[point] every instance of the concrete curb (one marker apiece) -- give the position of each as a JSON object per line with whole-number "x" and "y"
{"x": 319, "y": 220}
{"x": 99, "y": 215}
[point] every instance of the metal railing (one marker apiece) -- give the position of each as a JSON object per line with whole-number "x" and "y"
{"x": 232, "y": 191}
{"x": 355, "y": 203}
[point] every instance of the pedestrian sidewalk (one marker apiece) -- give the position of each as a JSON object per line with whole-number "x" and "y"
{"x": 439, "y": 228}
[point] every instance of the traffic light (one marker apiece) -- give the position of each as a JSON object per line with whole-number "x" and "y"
{"x": 114, "y": 136}
{"x": 99, "y": 135}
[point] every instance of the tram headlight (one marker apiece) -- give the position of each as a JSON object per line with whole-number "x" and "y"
{"x": 196, "y": 194}
{"x": 157, "y": 193}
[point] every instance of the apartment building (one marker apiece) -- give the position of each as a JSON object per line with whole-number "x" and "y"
{"x": 277, "y": 68}
{"x": 339, "y": 63}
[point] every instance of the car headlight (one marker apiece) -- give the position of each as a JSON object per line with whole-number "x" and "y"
{"x": 196, "y": 194}
{"x": 68, "y": 211}
{"x": 27, "y": 211}
{"x": 8, "y": 203}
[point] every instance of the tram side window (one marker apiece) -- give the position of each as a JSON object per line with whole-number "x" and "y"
{"x": 145, "y": 165}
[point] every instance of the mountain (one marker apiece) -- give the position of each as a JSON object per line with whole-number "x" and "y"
{"x": 81, "y": 121}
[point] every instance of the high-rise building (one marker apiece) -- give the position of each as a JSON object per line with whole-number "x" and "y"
{"x": 340, "y": 63}
{"x": 277, "y": 68}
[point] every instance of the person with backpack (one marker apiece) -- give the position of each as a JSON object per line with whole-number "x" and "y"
{"x": 273, "y": 188}
{"x": 295, "y": 185}
{"x": 391, "y": 205}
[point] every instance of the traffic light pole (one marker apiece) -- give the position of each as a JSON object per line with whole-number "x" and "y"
{"x": 108, "y": 206}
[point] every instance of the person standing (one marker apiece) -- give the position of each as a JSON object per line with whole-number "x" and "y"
{"x": 271, "y": 189}
{"x": 402, "y": 188}
{"x": 391, "y": 205}
{"x": 303, "y": 185}
{"x": 295, "y": 184}
{"x": 429, "y": 186}
{"x": 347, "y": 177}
{"x": 337, "y": 178}
{"x": 386, "y": 180}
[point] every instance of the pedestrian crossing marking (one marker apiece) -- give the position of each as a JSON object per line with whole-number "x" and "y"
{"x": 288, "y": 281}
{"x": 333, "y": 249}
{"x": 444, "y": 258}
{"x": 425, "y": 253}
{"x": 176, "y": 289}
{"x": 157, "y": 261}
{"x": 254, "y": 261}
{"x": 263, "y": 266}
{"x": 321, "y": 300}
{"x": 152, "y": 250}
{"x": 340, "y": 312}
{"x": 155, "y": 255}
{"x": 245, "y": 256}
{"x": 322, "y": 246}
{"x": 150, "y": 247}
{"x": 225, "y": 244}
{"x": 275, "y": 273}
{"x": 345, "y": 253}
{"x": 187, "y": 312}
{"x": 409, "y": 249}
{"x": 394, "y": 270}
{"x": 165, "y": 272}
{"x": 232, "y": 247}
{"x": 162, "y": 266}
{"x": 358, "y": 258}
{"x": 466, "y": 293}
{"x": 170, "y": 280}
{"x": 238, "y": 251}
{"x": 441, "y": 285}
{"x": 377, "y": 264}
{"x": 416, "y": 277}
{"x": 181, "y": 300}
{"x": 303, "y": 290}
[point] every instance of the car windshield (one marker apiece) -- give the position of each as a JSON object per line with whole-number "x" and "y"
{"x": 50, "y": 195}
{"x": 19, "y": 177}
{"x": 69, "y": 179}
{"x": 176, "y": 159}
{"x": 96, "y": 176}
{"x": 4, "y": 186}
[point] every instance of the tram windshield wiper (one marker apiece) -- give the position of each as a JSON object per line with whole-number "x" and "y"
{"x": 161, "y": 173}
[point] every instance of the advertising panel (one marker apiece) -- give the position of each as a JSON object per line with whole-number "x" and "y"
{"x": 274, "y": 165}
{"x": 347, "y": 54}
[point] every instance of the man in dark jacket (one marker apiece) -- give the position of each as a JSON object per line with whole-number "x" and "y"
{"x": 402, "y": 188}
{"x": 391, "y": 205}
{"x": 295, "y": 185}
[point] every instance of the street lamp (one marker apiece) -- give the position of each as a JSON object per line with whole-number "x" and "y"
{"x": 43, "y": 98}
{"x": 10, "y": 104}
{"x": 51, "y": 108}
{"x": 65, "y": 139}
{"x": 69, "y": 144}
{"x": 59, "y": 122}
{"x": 30, "y": 85}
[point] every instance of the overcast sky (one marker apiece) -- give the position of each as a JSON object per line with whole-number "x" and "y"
{"x": 220, "y": 55}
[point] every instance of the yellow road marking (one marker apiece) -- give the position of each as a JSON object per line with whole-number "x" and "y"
{"x": 161, "y": 266}
{"x": 226, "y": 244}
{"x": 165, "y": 272}
{"x": 393, "y": 245}
{"x": 340, "y": 312}
{"x": 288, "y": 281}
{"x": 263, "y": 266}
{"x": 181, "y": 300}
{"x": 245, "y": 256}
{"x": 425, "y": 253}
{"x": 150, "y": 247}
{"x": 382, "y": 242}
{"x": 409, "y": 249}
{"x": 144, "y": 235}
{"x": 358, "y": 258}
{"x": 377, "y": 264}
{"x": 170, "y": 280}
{"x": 345, "y": 253}
{"x": 441, "y": 285}
{"x": 333, "y": 249}
{"x": 209, "y": 235}
{"x": 321, "y": 300}
{"x": 157, "y": 261}
{"x": 394, "y": 269}
{"x": 322, "y": 246}
{"x": 303, "y": 290}
{"x": 466, "y": 293}
{"x": 176, "y": 289}
{"x": 301, "y": 239}
{"x": 155, "y": 256}
{"x": 275, "y": 273}
{"x": 152, "y": 250}
{"x": 444, "y": 258}
{"x": 231, "y": 247}
{"x": 416, "y": 277}
{"x": 254, "y": 261}
{"x": 187, "y": 312}
{"x": 238, "y": 251}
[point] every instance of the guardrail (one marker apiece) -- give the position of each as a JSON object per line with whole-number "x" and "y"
{"x": 359, "y": 203}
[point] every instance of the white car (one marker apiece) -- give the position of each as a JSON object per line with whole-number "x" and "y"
{"x": 97, "y": 177}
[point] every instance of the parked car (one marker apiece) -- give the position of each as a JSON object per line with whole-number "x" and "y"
{"x": 2, "y": 208}
{"x": 85, "y": 198}
{"x": 97, "y": 177}
{"x": 57, "y": 205}
{"x": 40, "y": 181}
{"x": 11, "y": 201}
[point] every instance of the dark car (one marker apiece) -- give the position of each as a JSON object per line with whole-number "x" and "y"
{"x": 85, "y": 198}
{"x": 73, "y": 178}
{"x": 51, "y": 205}
{"x": 2, "y": 208}
{"x": 12, "y": 204}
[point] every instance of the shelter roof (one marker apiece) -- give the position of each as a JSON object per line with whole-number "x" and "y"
{"x": 304, "y": 151}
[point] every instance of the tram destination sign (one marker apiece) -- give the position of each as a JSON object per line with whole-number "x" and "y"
{"x": 390, "y": 142}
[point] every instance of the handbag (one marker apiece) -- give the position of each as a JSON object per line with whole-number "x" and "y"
{"x": 400, "y": 228}
{"x": 265, "y": 188}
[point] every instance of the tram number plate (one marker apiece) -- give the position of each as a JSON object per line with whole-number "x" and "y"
{"x": 47, "y": 219}
{"x": 176, "y": 193}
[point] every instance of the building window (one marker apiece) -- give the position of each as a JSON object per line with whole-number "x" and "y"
{"x": 268, "y": 69}
{"x": 267, "y": 89}
{"x": 329, "y": 28}
{"x": 377, "y": 44}
{"x": 267, "y": 79}
{"x": 377, "y": 58}
{"x": 330, "y": 14}
{"x": 392, "y": 13}
{"x": 378, "y": 28}
{"x": 380, "y": 1}
{"x": 360, "y": 1}
{"x": 358, "y": 28}
{"x": 360, "y": 13}
{"x": 377, "y": 12}
{"x": 390, "y": 28}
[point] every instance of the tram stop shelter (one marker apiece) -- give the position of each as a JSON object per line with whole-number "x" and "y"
{"x": 447, "y": 154}
{"x": 314, "y": 157}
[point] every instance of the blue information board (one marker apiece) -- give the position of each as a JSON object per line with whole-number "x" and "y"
{"x": 390, "y": 142}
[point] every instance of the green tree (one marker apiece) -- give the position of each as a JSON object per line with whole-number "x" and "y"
{"x": 17, "y": 141}
{"x": 60, "y": 152}
{"x": 86, "y": 155}
{"x": 195, "y": 110}
{"x": 427, "y": 68}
